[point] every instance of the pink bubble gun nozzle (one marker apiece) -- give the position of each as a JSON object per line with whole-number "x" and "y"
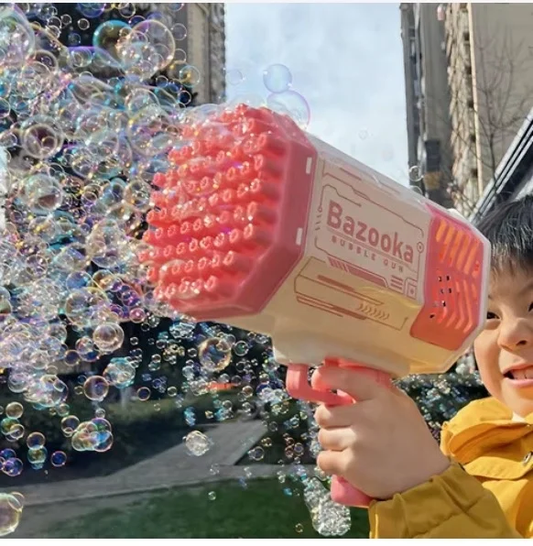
{"x": 264, "y": 227}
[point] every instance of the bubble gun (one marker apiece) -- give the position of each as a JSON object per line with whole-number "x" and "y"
{"x": 260, "y": 225}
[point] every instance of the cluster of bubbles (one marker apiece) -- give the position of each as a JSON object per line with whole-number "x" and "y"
{"x": 281, "y": 97}
{"x": 83, "y": 130}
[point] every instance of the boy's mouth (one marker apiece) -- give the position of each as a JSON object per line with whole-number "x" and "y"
{"x": 520, "y": 373}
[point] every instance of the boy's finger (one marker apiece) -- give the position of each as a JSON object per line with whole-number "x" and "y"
{"x": 334, "y": 462}
{"x": 356, "y": 382}
{"x": 336, "y": 416}
{"x": 336, "y": 439}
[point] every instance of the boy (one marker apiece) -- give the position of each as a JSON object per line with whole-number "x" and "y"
{"x": 479, "y": 484}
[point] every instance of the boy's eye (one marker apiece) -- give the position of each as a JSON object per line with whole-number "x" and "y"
{"x": 530, "y": 306}
{"x": 491, "y": 315}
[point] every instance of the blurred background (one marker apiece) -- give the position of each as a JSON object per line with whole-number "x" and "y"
{"x": 147, "y": 444}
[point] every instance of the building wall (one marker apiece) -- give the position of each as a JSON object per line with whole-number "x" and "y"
{"x": 490, "y": 75}
{"x": 204, "y": 46}
{"x": 428, "y": 124}
{"x": 412, "y": 85}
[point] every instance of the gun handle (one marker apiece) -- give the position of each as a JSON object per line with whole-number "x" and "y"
{"x": 342, "y": 492}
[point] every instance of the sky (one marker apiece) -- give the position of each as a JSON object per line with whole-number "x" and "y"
{"x": 345, "y": 59}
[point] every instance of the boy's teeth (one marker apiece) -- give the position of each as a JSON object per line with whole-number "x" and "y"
{"x": 526, "y": 373}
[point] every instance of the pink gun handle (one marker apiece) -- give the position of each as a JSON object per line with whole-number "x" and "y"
{"x": 298, "y": 386}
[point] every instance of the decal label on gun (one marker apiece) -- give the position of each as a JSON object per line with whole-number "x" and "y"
{"x": 364, "y": 237}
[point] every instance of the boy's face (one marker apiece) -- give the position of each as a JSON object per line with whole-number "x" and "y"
{"x": 504, "y": 349}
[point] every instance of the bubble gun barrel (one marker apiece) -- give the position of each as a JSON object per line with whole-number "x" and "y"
{"x": 264, "y": 227}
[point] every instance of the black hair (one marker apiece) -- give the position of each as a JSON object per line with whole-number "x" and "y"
{"x": 509, "y": 229}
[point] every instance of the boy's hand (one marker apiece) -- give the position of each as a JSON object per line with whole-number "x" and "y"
{"x": 381, "y": 444}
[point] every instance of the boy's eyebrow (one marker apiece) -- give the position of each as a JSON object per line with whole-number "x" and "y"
{"x": 527, "y": 288}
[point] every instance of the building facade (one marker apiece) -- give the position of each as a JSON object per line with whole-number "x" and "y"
{"x": 202, "y": 46}
{"x": 514, "y": 174}
{"x": 490, "y": 77}
{"x": 427, "y": 100}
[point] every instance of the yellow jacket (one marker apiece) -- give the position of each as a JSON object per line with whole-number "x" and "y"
{"x": 486, "y": 493}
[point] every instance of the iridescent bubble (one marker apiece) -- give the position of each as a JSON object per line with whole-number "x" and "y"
{"x": 17, "y": 39}
{"x": 214, "y": 354}
{"x": 10, "y": 508}
{"x": 148, "y": 48}
{"x": 292, "y": 104}
{"x": 143, "y": 394}
{"x": 37, "y": 456}
{"x": 46, "y": 391}
{"x": 69, "y": 424}
{"x": 415, "y": 173}
{"x": 41, "y": 136}
{"x": 108, "y": 35}
{"x": 14, "y": 410}
{"x": 277, "y": 78}
{"x": 234, "y": 76}
{"x": 83, "y": 24}
{"x": 108, "y": 337}
{"x": 35, "y": 440}
{"x": 91, "y": 10}
{"x": 138, "y": 194}
{"x": 107, "y": 243}
{"x": 197, "y": 443}
{"x": 13, "y": 467}
{"x": 241, "y": 348}
{"x": 120, "y": 373}
{"x": 94, "y": 435}
{"x": 58, "y": 458}
{"x": 5, "y": 304}
{"x": 189, "y": 75}
{"x": 86, "y": 306}
{"x": 42, "y": 193}
{"x": 257, "y": 453}
{"x": 96, "y": 388}
{"x": 179, "y": 32}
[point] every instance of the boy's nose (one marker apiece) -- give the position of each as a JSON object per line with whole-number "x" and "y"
{"x": 515, "y": 335}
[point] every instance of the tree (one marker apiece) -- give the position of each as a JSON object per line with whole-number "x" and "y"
{"x": 488, "y": 105}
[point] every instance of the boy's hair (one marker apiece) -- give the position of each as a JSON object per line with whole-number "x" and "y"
{"x": 509, "y": 229}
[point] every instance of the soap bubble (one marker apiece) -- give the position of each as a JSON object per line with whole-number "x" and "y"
{"x": 96, "y": 388}
{"x": 94, "y": 435}
{"x": 415, "y": 173}
{"x": 292, "y": 104}
{"x": 179, "y": 32}
{"x": 41, "y": 137}
{"x": 120, "y": 373}
{"x": 46, "y": 391}
{"x": 108, "y": 35}
{"x": 108, "y": 337}
{"x": 14, "y": 410}
{"x": 91, "y": 10}
{"x": 11, "y": 505}
{"x": 69, "y": 424}
{"x": 149, "y": 47}
{"x": 42, "y": 193}
{"x": 13, "y": 467}
{"x": 37, "y": 456}
{"x": 234, "y": 76}
{"x": 277, "y": 78}
{"x": 143, "y": 394}
{"x": 35, "y": 440}
{"x": 189, "y": 75}
{"x": 58, "y": 458}
{"x": 17, "y": 40}
{"x": 197, "y": 443}
{"x": 214, "y": 354}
